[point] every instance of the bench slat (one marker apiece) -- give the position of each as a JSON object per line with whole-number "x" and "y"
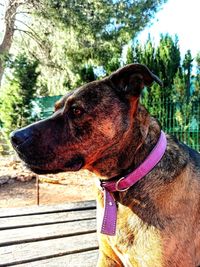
{"x": 40, "y": 219}
{"x": 84, "y": 259}
{"x": 60, "y": 235}
{"x": 29, "y": 234}
{"x": 41, "y": 250}
{"x": 12, "y": 212}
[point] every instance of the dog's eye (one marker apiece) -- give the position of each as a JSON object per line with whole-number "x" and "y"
{"x": 76, "y": 112}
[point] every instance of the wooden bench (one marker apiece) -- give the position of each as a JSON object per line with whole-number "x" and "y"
{"x": 61, "y": 235}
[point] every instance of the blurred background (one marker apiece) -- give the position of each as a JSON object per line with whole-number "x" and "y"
{"x": 49, "y": 47}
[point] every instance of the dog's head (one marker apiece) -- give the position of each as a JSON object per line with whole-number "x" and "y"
{"x": 89, "y": 125}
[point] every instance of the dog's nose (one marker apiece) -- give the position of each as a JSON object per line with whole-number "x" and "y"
{"x": 19, "y": 137}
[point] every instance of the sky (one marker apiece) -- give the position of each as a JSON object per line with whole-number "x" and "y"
{"x": 181, "y": 17}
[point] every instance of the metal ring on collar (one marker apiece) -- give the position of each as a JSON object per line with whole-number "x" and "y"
{"x": 117, "y": 186}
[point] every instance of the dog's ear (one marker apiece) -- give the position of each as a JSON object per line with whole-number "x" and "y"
{"x": 132, "y": 78}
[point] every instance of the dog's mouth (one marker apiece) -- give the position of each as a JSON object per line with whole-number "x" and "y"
{"x": 74, "y": 164}
{"x": 45, "y": 161}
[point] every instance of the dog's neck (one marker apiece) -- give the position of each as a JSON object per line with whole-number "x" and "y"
{"x": 131, "y": 151}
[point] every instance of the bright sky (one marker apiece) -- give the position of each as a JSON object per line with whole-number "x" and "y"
{"x": 181, "y": 17}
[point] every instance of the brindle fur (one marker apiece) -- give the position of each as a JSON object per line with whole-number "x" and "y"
{"x": 102, "y": 127}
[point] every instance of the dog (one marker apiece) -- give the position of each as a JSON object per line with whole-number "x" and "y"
{"x": 102, "y": 127}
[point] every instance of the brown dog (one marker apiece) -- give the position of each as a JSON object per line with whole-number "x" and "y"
{"x": 102, "y": 127}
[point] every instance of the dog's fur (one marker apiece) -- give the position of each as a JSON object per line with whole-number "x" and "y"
{"x": 102, "y": 127}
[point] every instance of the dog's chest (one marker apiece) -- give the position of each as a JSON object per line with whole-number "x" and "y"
{"x": 135, "y": 243}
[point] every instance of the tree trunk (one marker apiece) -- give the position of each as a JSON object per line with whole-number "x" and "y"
{"x": 9, "y": 20}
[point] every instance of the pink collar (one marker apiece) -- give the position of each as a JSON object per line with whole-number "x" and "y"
{"x": 123, "y": 184}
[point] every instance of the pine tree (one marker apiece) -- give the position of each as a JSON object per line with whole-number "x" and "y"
{"x": 164, "y": 60}
{"x": 196, "y": 92}
{"x": 187, "y": 70}
{"x": 67, "y": 35}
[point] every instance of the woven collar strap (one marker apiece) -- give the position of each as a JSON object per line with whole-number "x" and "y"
{"x": 123, "y": 184}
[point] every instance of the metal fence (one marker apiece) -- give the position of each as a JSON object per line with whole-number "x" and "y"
{"x": 179, "y": 119}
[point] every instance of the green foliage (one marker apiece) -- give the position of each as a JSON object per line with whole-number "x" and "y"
{"x": 187, "y": 69}
{"x": 87, "y": 74}
{"x": 164, "y": 60}
{"x": 17, "y": 96}
{"x": 104, "y": 21}
{"x": 177, "y": 103}
{"x": 70, "y": 34}
{"x": 196, "y": 92}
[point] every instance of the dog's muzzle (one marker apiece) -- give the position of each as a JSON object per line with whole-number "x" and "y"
{"x": 40, "y": 155}
{"x": 19, "y": 137}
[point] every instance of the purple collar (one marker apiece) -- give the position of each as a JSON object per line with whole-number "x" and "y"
{"x": 123, "y": 184}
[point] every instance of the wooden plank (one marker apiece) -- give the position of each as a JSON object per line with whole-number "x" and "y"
{"x": 30, "y": 234}
{"x": 82, "y": 205}
{"x": 84, "y": 259}
{"x": 49, "y": 218}
{"x": 41, "y": 250}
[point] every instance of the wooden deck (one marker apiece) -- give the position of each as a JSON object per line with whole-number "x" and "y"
{"x": 61, "y": 235}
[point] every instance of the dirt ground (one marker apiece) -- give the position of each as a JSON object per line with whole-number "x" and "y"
{"x": 18, "y": 185}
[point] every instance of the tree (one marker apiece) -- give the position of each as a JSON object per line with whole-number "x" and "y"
{"x": 144, "y": 54}
{"x": 175, "y": 100}
{"x": 164, "y": 60}
{"x": 17, "y": 98}
{"x": 196, "y": 92}
{"x": 11, "y": 9}
{"x": 102, "y": 26}
{"x": 168, "y": 59}
{"x": 187, "y": 69}
{"x": 9, "y": 19}
{"x": 69, "y": 35}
